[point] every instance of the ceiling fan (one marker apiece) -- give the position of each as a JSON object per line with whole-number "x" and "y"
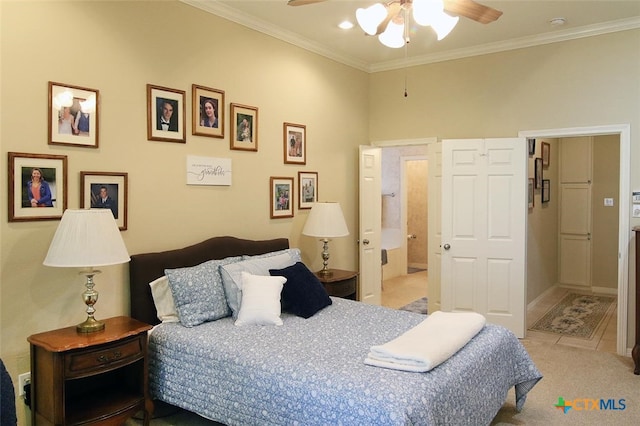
{"x": 467, "y": 8}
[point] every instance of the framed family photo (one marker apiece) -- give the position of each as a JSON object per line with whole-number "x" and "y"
{"x": 165, "y": 114}
{"x": 307, "y": 189}
{"x": 73, "y": 115}
{"x": 531, "y": 145}
{"x": 295, "y": 143}
{"x": 546, "y": 190}
{"x": 106, "y": 190}
{"x": 531, "y": 193}
{"x": 281, "y": 191}
{"x": 244, "y": 127}
{"x": 538, "y": 173}
{"x": 546, "y": 154}
{"x": 37, "y": 186}
{"x": 207, "y": 111}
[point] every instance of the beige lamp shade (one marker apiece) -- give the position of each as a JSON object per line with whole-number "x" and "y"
{"x": 87, "y": 238}
{"x": 325, "y": 221}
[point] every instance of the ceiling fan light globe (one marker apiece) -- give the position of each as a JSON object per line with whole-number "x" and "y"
{"x": 426, "y": 11}
{"x": 444, "y": 25}
{"x": 371, "y": 17}
{"x": 393, "y": 36}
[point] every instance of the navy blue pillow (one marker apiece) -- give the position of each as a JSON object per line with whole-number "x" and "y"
{"x": 303, "y": 293}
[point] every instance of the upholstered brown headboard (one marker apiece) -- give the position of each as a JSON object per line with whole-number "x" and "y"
{"x": 146, "y": 267}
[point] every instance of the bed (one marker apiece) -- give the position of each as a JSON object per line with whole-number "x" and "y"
{"x": 311, "y": 371}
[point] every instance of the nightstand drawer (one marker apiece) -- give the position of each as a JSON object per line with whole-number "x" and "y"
{"x": 341, "y": 288}
{"x": 83, "y": 363}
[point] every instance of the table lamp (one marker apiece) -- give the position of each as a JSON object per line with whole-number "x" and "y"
{"x": 325, "y": 221}
{"x": 87, "y": 239}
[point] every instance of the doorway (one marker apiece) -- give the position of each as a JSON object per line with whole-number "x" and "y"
{"x": 624, "y": 236}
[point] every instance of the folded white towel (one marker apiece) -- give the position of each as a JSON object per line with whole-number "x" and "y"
{"x": 429, "y": 343}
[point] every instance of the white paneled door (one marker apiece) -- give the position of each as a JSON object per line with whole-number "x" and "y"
{"x": 484, "y": 207}
{"x": 434, "y": 152}
{"x": 370, "y": 253}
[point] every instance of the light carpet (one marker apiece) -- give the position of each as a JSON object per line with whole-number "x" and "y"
{"x": 576, "y": 315}
{"x": 575, "y": 374}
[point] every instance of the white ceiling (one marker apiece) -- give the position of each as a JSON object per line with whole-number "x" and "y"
{"x": 523, "y": 23}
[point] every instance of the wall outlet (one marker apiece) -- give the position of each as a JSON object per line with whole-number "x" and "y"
{"x": 608, "y": 202}
{"x": 23, "y": 379}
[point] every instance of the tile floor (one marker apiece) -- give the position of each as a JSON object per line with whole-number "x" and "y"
{"x": 399, "y": 291}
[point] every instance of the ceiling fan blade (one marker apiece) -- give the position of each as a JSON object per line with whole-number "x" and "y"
{"x": 472, "y": 10}
{"x": 302, "y": 2}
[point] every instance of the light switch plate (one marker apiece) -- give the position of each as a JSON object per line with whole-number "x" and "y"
{"x": 608, "y": 202}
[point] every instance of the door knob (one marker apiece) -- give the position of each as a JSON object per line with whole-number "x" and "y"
{"x": 446, "y": 246}
{"x": 365, "y": 242}
{"x": 412, "y": 236}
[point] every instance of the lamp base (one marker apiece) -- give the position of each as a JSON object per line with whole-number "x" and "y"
{"x": 325, "y": 273}
{"x": 90, "y": 325}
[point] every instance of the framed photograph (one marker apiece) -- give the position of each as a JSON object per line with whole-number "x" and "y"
{"x": 73, "y": 115}
{"x": 106, "y": 190}
{"x": 531, "y": 143}
{"x": 207, "y": 111}
{"x": 546, "y": 154}
{"x": 538, "y": 173}
{"x": 530, "y": 192}
{"x": 165, "y": 114}
{"x": 281, "y": 191}
{"x": 295, "y": 143}
{"x": 37, "y": 186}
{"x": 546, "y": 190}
{"x": 244, "y": 127}
{"x": 307, "y": 189}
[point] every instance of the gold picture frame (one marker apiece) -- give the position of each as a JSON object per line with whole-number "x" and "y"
{"x": 73, "y": 115}
{"x": 244, "y": 128}
{"x": 295, "y": 143}
{"x": 102, "y": 190}
{"x": 37, "y": 186}
{"x": 165, "y": 105}
{"x": 206, "y": 101}
{"x": 281, "y": 195}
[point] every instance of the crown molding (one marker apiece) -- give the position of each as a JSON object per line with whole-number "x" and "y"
{"x": 516, "y": 43}
{"x": 264, "y": 27}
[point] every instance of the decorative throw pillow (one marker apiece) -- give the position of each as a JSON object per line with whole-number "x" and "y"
{"x": 163, "y": 299}
{"x": 232, "y": 275}
{"x": 303, "y": 294}
{"x": 260, "y": 300}
{"x": 198, "y": 292}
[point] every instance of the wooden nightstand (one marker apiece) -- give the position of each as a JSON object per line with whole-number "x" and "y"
{"x": 340, "y": 283}
{"x": 94, "y": 378}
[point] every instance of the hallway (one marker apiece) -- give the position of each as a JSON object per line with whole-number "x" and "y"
{"x": 400, "y": 291}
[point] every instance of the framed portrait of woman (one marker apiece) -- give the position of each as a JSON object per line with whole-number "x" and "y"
{"x": 207, "y": 111}
{"x": 37, "y": 186}
{"x": 73, "y": 115}
{"x": 106, "y": 190}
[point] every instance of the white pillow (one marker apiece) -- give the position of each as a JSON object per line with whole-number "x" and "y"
{"x": 163, "y": 299}
{"x": 232, "y": 279}
{"x": 260, "y": 300}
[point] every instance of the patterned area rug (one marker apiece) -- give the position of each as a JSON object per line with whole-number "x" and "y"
{"x": 576, "y": 315}
{"x": 419, "y": 306}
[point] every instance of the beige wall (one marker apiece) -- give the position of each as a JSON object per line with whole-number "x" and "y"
{"x": 606, "y": 172}
{"x": 542, "y": 227}
{"x": 114, "y": 47}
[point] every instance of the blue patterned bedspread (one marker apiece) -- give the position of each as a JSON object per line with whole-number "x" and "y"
{"x": 312, "y": 372}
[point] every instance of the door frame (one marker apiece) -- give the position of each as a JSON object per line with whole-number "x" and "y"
{"x": 624, "y": 231}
